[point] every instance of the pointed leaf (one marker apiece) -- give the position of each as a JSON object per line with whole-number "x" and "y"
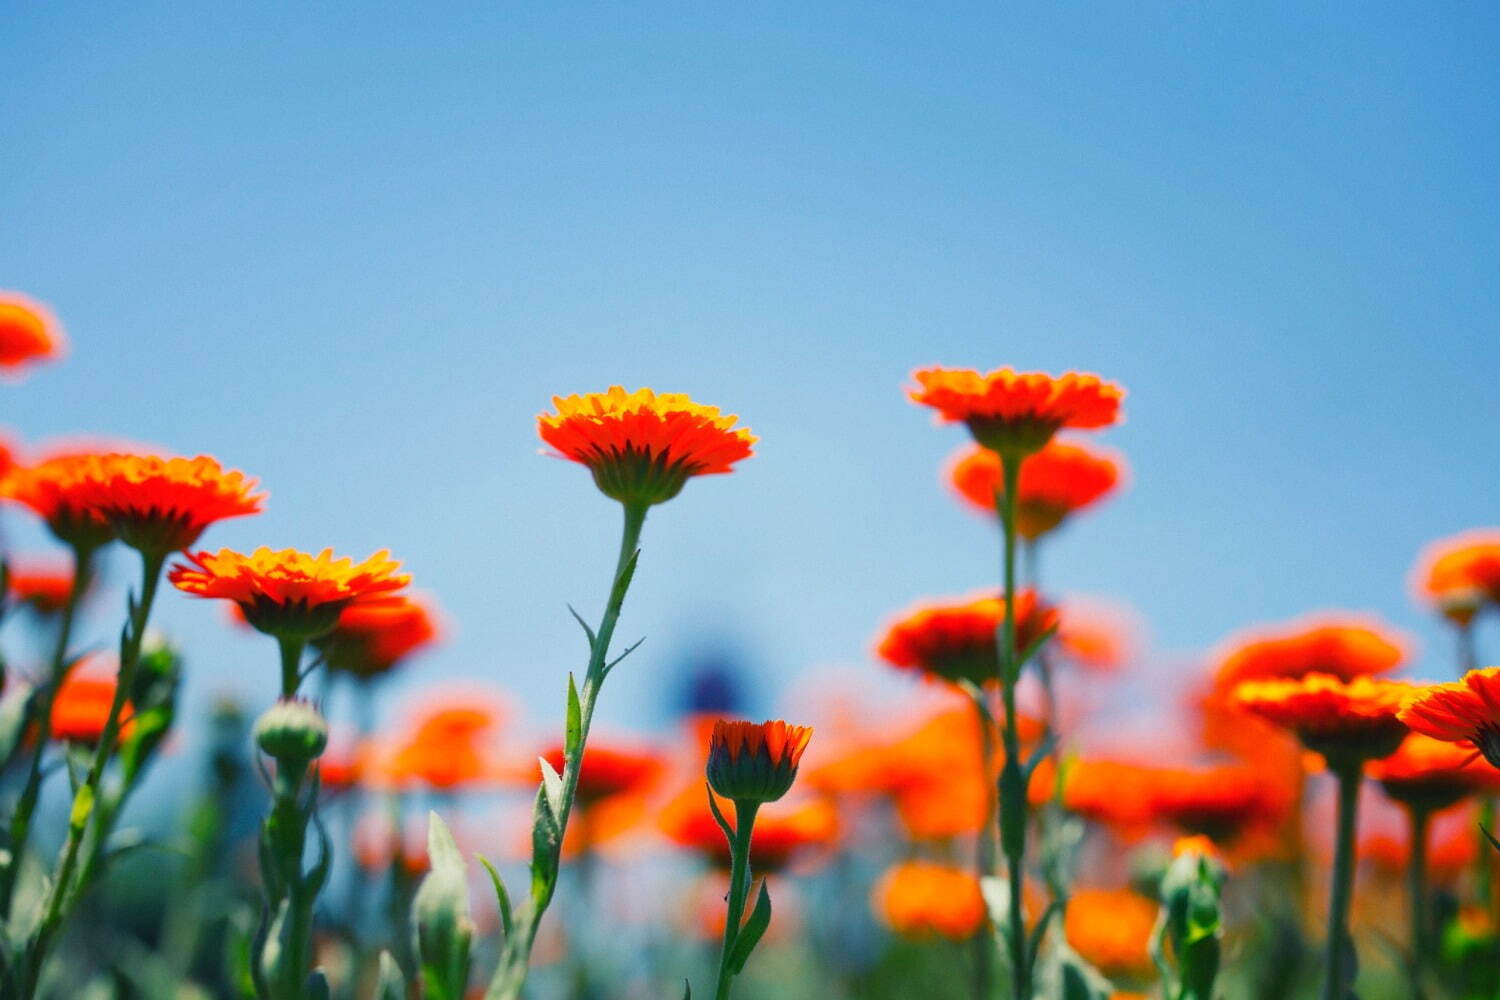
{"x": 502, "y": 898}
{"x": 713, "y": 807}
{"x": 749, "y": 935}
{"x": 442, "y": 849}
{"x": 552, "y": 783}
{"x": 628, "y": 650}
{"x": 593, "y": 639}
{"x": 687, "y": 990}
{"x": 573, "y": 733}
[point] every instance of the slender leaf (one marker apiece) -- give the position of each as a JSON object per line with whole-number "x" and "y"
{"x": 713, "y": 807}
{"x": 593, "y": 639}
{"x": 750, "y": 935}
{"x": 552, "y": 783}
{"x": 573, "y": 734}
{"x": 502, "y": 898}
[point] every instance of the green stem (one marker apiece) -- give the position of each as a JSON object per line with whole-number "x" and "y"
{"x": 984, "y": 861}
{"x": 291, "y": 665}
{"x": 510, "y": 975}
{"x": 1339, "y": 946}
{"x": 20, "y": 827}
{"x": 739, "y": 888}
{"x": 1416, "y": 888}
{"x": 1013, "y": 791}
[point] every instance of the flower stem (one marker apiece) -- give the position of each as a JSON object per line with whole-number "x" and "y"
{"x": 1339, "y": 947}
{"x": 739, "y": 889}
{"x": 1416, "y": 888}
{"x": 984, "y": 862}
{"x": 291, "y": 665}
{"x": 1012, "y": 783}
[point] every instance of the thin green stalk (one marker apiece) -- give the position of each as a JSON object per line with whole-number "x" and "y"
{"x": 1012, "y": 784}
{"x": 291, "y": 665}
{"x": 984, "y": 862}
{"x": 739, "y": 889}
{"x": 1339, "y": 946}
{"x": 20, "y": 826}
{"x": 511, "y": 973}
{"x": 1416, "y": 889}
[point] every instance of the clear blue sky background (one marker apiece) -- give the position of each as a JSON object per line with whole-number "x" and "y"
{"x": 354, "y": 249}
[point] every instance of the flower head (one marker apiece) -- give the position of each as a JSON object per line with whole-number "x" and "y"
{"x": 755, "y": 763}
{"x": 1430, "y": 774}
{"x": 1341, "y": 645}
{"x": 1112, "y": 929}
{"x": 448, "y": 747}
{"x": 954, "y": 640}
{"x": 44, "y": 589}
{"x": 1061, "y": 479}
{"x": 371, "y": 638}
{"x": 81, "y": 706}
{"x": 1466, "y": 711}
{"x": 159, "y": 505}
{"x": 1017, "y": 412}
{"x": 1461, "y": 574}
{"x": 289, "y": 594}
{"x": 1348, "y": 722}
{"x": 643, "y": 447}
{"x": 1218, "y": 802}
{"x": 55, "y": 493}
{"x": 922, "y": 899}
{"x": 28, "y": 333}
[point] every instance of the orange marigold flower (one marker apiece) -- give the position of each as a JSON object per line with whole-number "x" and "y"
{"x": 160, "y": 505}
{"x": 1345, "y": 721}
{"x": 780, "y": 833}
{"x": 922, "y": 899}
{"x": 1430, "y": 774}
{"x": 1465, "y": 711}
{"x": 1460, "y": 574}
{"x": 447, "y": 748}
{"x": 371, "y": 638}
{"x": 44, "y": 589}
{"x": 609, "y": 771}
{"x": 81, "y": 708}
{"x": 954, "y": 640}
{"x": 1218, "y": 802}
{"x": 1017, "y": 412}
{"x": 1112, "y": 793}
{"x": 643, "y": 447}
{"x": 750, "y": 762}
{"x": 289, "y": 594}
{"x": 28, "y": 332}
{"x": 1058, "y": 481}
{"x": 54, "y": 491}
{"x": 1339, "y": 644}
{"x": 1112, "y": 928}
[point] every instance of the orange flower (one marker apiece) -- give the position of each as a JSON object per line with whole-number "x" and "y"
{"x": 643, "y": 447}
{"x": 1218, "y": 802}
{"x": 1465, "y": 711}
{"x": 81, "y": 708}
{"x": 1017, "y": 412}
{"x": 1429, "y": 774}
{"x": 289, "y": 593}
{"x": 780, "y": 833}
{"x": 1460, "y": 574}
{"x": 55, "y": 493}
{"x": 1200, "y": 845}
{"x": 954, "y": 640}
{"x": 1095, "y": 635}
{"x": 1060, "y": 480}
{"x": 1448, "y": 856}
{"x": 750, "y": 762}
{"x": 1345, "y": 721}
{"x": 1112, "y": 793}
{"x": 28, "y": 332}
{"x": 160, "y": 505}
{"x": 1112, "y": 928}
{"x": 447, "y": 748}
{"x": 921, "y": 899}
{"x": 44, "y": 589}
{"x": 1343, "y": 645}
{"x": 373, "y": 637}
{"x": 609, "y": 772}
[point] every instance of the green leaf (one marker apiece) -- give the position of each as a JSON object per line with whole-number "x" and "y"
{"x": 593, "y": 639}
{"x": 391, "y": 984}
{"x": 750, "y": 935}
{"x": 687, "y": 990}
{"x": 573, "y": 734}
{"x": 14, "y": 707}
{"x": 442, "y": 849}
{"x": 502, "y": 898}
{"x": 713, "y": 807}
{"x": 552, "y": 783}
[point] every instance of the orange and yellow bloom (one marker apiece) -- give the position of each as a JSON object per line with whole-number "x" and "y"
{"x": 749, "y": 762}
{"x": 642, "y": 447}
{"x": 1465, "y": 711}
{"x": 954, "y": 640}
{"x": 1062, "y": 479}
{"x": 159, "y": 505}
{"x": 1461, "y": 574}
{"x": 1431, "y": 774}
{"x": 1112, "y": 929}
{"x": 1345, "y": 646}
{"x": 28, "y": 333}
{"x": 1345, "y": 721}
{"x": 55, "y": 493}
{"x": 1017, "y": 412}
{"x": 923, "y": 899}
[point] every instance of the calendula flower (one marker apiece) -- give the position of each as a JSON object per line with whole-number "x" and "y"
{"x": 1218, "y": 802}
{"x": 1017, "y": 412}
{"x": 372, "y": 638}
{"x": 42, "y": 588}
{"x": 1111, "y": 929}
{"x": 921, "y": 899}
{"x": 749, "y": 762}
{"x": 81, "y": 707}
{"x": 160, "y": 505}
{"x": 1341, "y": 645}
{"x": 28, "y": 333}
{"x": 954, "y": 640}
{"x": 56, "y": 494}
{"x": 1062, "y": 479}
{"x": 1431, "y": 774}
{"x": 1465, "y": 711}
{"x": 447, "y": 747}
{"x": 1461, "y": 574}
{"x": 289, "y": 594}
{"x": 1345, "y": 721}
{"x": 643, "y": 447}
{"x": 781, "y": 833}
{"x": 1112, "y": 793}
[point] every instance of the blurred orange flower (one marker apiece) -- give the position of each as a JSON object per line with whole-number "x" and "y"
{"x": 160, "y": 505}
{"x": 372, "y": 637}
{"x": 781, "y": 833}
{"x": 1220, "y": 803}
{"x": 1018, "y": 412}
{"x": 28, "y": 332}
{"x": 1111, "y": 793}
{"x": 1448, "y": 857}
{"x": 289, "y": 593}
{"x": 81, "y": 708}
{"x": 1459, "y": 574}
{"x": 1342, "y": 645}
{"x": 609, "y": 771}
{"x": 955, "y": 640}
{"x": 1465, "y": 711}
{"x": 1344, "y": 720}
{"x": 1431, "y": 774}
{"x": 1095, "y": 635}
{"x": 447, "y": 747}
{"x": 921, "y": 899}
{"x": 42, "y": 588}
{"x": 1112, "y": 928}
{"x": 643, "y": 447}
{"x": 1058, "y": 481}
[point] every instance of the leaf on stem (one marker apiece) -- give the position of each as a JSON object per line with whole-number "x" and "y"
{"x": 628, "y": 650}
{"x": 573, "y": 733}
{"x": 552, "y": 784}
{"x": 713, "y": 807}
{"x": 749, "y": 935}
{"x": 593, "y": 639}
{"x": 1036, "y": 644}
{"x": 502, "y": 898}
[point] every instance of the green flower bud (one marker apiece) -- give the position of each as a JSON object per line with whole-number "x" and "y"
{"x": 291, "y": 731}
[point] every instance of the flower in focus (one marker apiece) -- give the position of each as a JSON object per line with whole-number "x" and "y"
{"x": 1017, "y": 412}
{"x": 1345, "y": 721}
{"x": 55, "y": 494}
{"x": 643, "y": 447}
{"x": 954, "y": 640}
{"x": 1112, "y": 929}
{"x": 1058, "y": 481}
{"x": 1341, "y": 645}
{"x": 289, "y": 594}
{"x": 44, "y": 589}
{"x": 160, "y": 505}
{"x": 755, "y": 763}
{"x": 921, "y": 899}
{"x": 28, "y": 333}
{"x": 1466, "y": 711}
{"x": 780, "y": 834}
{"x": 448, "y": 747}
{"x": 372, "y": 637}
{"x": 1430, "y": 774}
{"x": 1461, "y": 574}
{"x": 81, "y": 708}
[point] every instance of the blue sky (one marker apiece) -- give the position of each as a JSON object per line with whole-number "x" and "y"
{"x": 354, "y": 249}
